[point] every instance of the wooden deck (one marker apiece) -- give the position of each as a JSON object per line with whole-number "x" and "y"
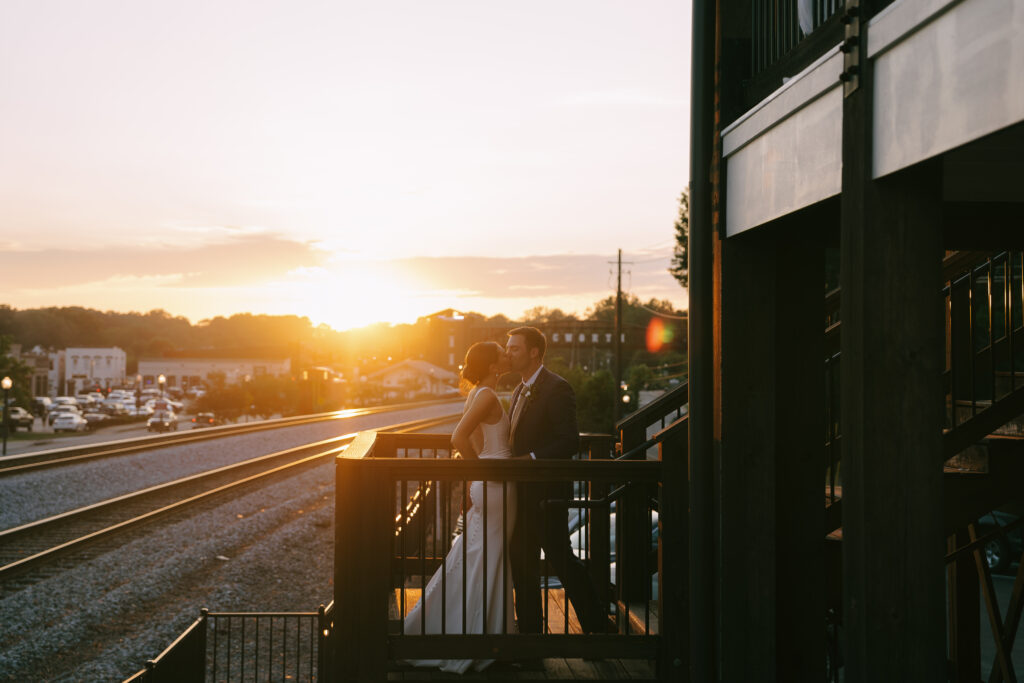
{"x": 559, "y": 614}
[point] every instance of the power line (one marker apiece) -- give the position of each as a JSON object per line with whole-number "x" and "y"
{"x": 662, "y": 315}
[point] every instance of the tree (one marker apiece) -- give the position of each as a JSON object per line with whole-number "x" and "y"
{"x": 20, "y": 374}
{"x": 680, "y": 269}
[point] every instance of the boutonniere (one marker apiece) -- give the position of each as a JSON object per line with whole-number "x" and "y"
{"x": 527, "y": 396}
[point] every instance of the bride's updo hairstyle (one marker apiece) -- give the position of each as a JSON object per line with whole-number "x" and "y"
{"x": 479, "y": 358}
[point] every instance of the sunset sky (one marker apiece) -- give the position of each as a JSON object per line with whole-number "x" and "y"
{"x": 351, "y": 162}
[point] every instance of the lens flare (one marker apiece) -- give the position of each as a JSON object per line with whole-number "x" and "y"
{"x": 658, "y": 335}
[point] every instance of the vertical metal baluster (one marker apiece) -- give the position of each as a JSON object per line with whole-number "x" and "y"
{"x": 465, "y": 535}
{"x": 243, "y": 650}
{"x": 544, "y": 564}
{"x": 284, "y": 648}
{"x": 504, "y": 556}
{"x": 423, "y": 564}
{"x": 444, "y": 498}
{"x": 230, "y": 619}
{"x": 970, "y": 326}
{"x": 1008, "y": 316}
{"x": 212, "y": 623}
{"x": 256, "y": 658}
{"x": 270, "y": 650}
{"x": 298, "y": 645}
{"x": 403, "y": 505}
{"x": 651, "y": 495}
{"x": 951, "y": 352}
{"x": 991, "y": 339}
{"x": 483, "y": 625}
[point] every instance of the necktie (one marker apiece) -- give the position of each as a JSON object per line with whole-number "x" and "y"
{"x": 517, "y": 407}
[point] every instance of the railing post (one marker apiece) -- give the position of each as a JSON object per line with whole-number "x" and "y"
{"x": 674, "y": 556}
{"x": 599, "y": 541}
{"x": 362, "y": 561}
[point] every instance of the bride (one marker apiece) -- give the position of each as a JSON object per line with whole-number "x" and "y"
{"x": 483, "y": 432}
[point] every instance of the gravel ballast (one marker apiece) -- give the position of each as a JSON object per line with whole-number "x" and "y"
{"x": 102, "y": 620}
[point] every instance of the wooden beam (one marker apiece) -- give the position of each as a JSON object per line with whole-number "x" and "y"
{"x": 892, "y": 343}
{"x": 799, "y": 400}
{"x": 747, "y": 485}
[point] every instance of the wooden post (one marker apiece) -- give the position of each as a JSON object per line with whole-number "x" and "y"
{"x": 746, "y": 488}
{"x": 673, "y": 556}
{"x": 964, "y": 613}
{"x": 700, "y": 337}
{"x": 347, "y": 632}
{"x": 892, "y": 351}
{"x": 364, "y": 499}
{"x": 599, "y": 527}
{"x": 799, "y": 399}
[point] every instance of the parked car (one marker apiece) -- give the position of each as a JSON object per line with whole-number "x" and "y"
{"x": 70, "y": 422}
{"x": 205, "y": 420}
{"x": 94, "y": 417}
{"x": 113, "y": 407}
{"x": 43, "y": 405}
{"x": 162, "y": 421}
{"x": 139, "y": 411}
{"x": 65, "y": 400}
{"x": 62, "y": 409}
{"x": 1003, "y": 549}
{"x": 19, "y": 417}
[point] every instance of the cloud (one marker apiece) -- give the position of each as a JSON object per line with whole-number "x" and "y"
{"x": 231, "y": 261}
{"x": 547, "y": 276}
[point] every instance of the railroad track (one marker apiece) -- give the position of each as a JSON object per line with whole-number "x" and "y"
{"x": 25, "y": 462}
{"x": 49, "y": 545}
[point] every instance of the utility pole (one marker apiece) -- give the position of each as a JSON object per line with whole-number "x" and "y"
{"x": 617, "y": 403}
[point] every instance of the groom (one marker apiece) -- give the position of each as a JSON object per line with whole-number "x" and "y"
{"x": 543, "y": 410}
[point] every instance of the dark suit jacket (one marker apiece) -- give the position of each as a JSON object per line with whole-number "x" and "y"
{"x": 547, "y": 424}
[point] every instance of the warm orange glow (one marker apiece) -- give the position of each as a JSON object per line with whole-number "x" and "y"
{"x": 658, "y": 334}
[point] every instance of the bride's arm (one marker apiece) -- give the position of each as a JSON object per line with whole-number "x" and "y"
{"x": 482, "y": 405}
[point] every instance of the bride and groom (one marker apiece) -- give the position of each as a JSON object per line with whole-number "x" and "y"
{"x": 540, "y": 424}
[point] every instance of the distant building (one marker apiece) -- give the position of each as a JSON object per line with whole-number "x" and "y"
{"x": 87, "y": 368}
{"x": 412, "y": 378}
{"x": 584, "y": 343}
{"x": 39, "y": 362}
{"x": 186, "y": 372}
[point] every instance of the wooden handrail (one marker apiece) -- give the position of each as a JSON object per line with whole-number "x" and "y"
{"x": 660, "y": 406}
{"x": 364, "y": 509}
{"x": 647, "y": 471}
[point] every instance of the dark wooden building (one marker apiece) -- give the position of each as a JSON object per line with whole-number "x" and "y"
{"x": 882, "y": 140}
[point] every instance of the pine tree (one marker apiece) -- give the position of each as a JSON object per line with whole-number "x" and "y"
{"x": 680, "y": 269}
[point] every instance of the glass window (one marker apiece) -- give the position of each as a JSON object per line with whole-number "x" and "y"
{"x": 554, "y": 337}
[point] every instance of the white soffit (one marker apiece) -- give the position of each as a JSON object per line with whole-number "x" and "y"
{"x": 817, "y": 79}
{"x": 788, "y": 167}
{"x": 786, "y": 153}
{"x": 946, "y": 73}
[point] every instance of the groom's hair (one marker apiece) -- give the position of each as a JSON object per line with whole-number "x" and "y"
{"x": 534, "y": 339}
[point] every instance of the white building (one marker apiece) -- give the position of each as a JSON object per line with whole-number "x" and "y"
{"x": 186, "y": 372}
{"x": 412, "y": 378}
{"x": 87, "y": 367}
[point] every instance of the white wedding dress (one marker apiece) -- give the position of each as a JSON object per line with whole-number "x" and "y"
{"x": 494, "y": 578}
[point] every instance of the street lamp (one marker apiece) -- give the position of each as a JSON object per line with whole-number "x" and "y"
{"x": 138, "y": 391}
{"x": 161, "y": 380}
{"x": 6, "y": 383}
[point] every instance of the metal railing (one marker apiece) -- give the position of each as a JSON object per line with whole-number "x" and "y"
{"x": 402, "y": 525}
{"x": 229, "y": 647}
{"x": 778, "y": 26}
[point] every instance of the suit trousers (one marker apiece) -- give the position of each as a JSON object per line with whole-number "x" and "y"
{"x": 542, "y": 522}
